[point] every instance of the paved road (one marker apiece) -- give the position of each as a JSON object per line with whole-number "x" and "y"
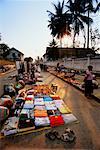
{"x": 87, "y": 130}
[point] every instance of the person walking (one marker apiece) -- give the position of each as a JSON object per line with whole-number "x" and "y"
{"x": 88, "y": 82}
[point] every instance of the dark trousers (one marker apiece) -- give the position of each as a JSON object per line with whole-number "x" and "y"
{"x": 88, "y": 87}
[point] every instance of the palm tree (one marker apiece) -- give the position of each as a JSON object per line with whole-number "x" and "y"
{"x": 76, "y": 10}
{"x": 53, "y": 43}
{"x": 97, "y": 8}
{"x": 58, "y": 22}
{"x": 89, "y": 7}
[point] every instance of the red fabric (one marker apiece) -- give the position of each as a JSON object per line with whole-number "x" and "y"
{"x": 55, "y": 97}
{"x": 56, "y": 121}
{"x": 29, "y": 98}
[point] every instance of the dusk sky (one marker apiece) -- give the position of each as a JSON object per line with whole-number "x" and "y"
{"x": 23, "y": 25}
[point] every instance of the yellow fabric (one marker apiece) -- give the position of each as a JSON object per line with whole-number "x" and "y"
{"x": 64, "y": 110}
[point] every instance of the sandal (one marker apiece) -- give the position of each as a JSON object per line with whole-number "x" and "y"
{"x": 68, "y": 136}
{"x": 56, "y": 134}
{"x": 50, "y": 135}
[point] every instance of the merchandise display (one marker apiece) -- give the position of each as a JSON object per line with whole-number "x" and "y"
{"x": 38, "y": 110}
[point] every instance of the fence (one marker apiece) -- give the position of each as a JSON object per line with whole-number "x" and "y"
{"x": 79, "y": 63}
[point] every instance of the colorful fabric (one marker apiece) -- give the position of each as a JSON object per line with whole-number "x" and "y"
{"x": 42, "y": 107}
{"x": 64, "y": 110}
{"x": 47, "y": 98}
{"x": 59, "y": 103}
{"x": 42, "y": 121}
{"x": 29, "y": 102}
{"x": 55, "y": 97}
{"x": 40, "y": 113}
{"x": 38, "y": 101}
{"x": 56, "y": 121}
{"x": 27, "y": 113}
{"x": 4, "y": 112}
{"x": 50, "y": 105}
{"x": 53, "y": 112}
{"x": 28, "y": 106}
{"x": 29, "y": 97}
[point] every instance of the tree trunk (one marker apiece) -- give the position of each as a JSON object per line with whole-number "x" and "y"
{"x": 88, "y": 31}
{"x": 74, "y": 39}
{"x": 60, "y": 42}
{"x": 84, "y": 38}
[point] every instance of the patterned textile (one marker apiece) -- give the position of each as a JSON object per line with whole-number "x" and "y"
{"x": 42, "y": 121}
{"x": 38, "y": 101}
{"x": 4, "y": 112}
{"x": 50, "y": 105}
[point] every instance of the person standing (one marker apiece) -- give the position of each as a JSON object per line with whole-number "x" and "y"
{"x": 88, "y": 82}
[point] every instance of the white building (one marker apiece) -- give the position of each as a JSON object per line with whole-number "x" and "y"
{"x": 14, "y": 54}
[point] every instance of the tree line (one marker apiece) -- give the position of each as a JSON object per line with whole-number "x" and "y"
{"x": 71, "y": 18}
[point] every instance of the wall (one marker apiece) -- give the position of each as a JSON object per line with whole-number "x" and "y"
{"x": 78, "y": 63}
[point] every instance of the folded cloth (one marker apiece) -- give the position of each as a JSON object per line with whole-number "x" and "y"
{"x": 26, "y": 114}
{"x": 56, "y": 120}
{"x": 29, "y": 102}
{"x": 50, "y": 105}
{"x": 64, "y": 110}
{"x": 29, "y": 97}
{"x": 42, "y": 121}
{"x": 38, "y": 101}
{"x": 53, "y": 112}
{"x": 59, "y": 103}
{"x": 55, "y": 97}
{"x": 40, "y": 107}
{"x": 62, "y": 106}
{"x": 69, "y": 118}
{"x": 28, "y": 106}
{"x": 40, "y": 113}
{"x": 47, "y": 98}
{"x": 25, "y": 111}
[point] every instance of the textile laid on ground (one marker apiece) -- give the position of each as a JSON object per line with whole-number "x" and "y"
{"x": 69, "y": 118}
{"x": 37, "y": 109}
{"x": 4, "y": 112}
{"x": 10, "y": 126}
{"x": 42, "y": 121}
{"x": 38, "y": 101}
{"x": 56, "y": 120}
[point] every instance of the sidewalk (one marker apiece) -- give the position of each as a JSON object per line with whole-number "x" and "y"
{"x": 77, "y": 83}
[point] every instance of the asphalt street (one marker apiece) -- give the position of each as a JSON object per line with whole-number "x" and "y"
{"x": 87, "y": 130}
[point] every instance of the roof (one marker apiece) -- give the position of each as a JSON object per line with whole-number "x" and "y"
{"x": 11, "y": 49}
